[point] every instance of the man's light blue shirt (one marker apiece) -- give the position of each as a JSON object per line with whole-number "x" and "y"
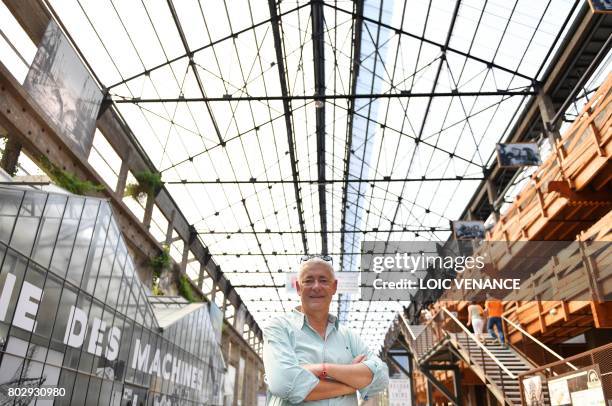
{"x": 289, "y": 341}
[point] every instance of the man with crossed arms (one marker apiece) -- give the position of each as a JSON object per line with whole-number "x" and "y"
{"x": 310, "y": 358}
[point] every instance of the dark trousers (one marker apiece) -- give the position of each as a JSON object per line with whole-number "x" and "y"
{"x": 496, "y": 321}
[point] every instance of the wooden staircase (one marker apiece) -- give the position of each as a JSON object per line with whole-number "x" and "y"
{"x": 504, "y": 386}
{"x": 445, "y": 338}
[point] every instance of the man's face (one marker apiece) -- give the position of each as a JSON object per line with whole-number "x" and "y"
{"x": 316, "y": 287}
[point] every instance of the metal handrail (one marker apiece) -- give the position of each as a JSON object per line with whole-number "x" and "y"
{"x": 481, "y": 345}
{"x": 407, "y": 325}
{"x": 541, "y": 344}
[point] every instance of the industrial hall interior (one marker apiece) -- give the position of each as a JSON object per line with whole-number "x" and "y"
{"x": 317, "y": 202}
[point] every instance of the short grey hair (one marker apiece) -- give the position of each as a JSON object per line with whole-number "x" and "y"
{"x": 315, "y": 262}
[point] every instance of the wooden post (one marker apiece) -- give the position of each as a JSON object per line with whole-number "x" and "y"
{"x": 201, "y": 275}
{"x": 547, "y": 112}
{"x": 492, "y": 197}
{"x": 184, "y": 257}
{"x": 596, "y": 136}
{"x": 148, "y": 212}
{"x": 170, "y": 229}
{"x": 590, "y": 273}
{"x": 122, "y": 177}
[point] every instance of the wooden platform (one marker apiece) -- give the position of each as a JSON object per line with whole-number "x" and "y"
{"x": 570, "y": 191}
{"x": 569, "y": 199}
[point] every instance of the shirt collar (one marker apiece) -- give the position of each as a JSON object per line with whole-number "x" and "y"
{"x": 299, "y": 319}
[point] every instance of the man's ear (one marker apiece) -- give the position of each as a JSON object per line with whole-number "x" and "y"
{"x": 298, "y": 287}
{"x": 335, "y": 285}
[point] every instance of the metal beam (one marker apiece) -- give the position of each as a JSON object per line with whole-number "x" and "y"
{"x": 261, "y": 252}
{"x": 290, "y": 254}
{"x": 374, "y": 230}
{"x": 439, "y": 386}
{"x": 280, "y": 63}
{"x": 194, "y": 51}
{"x": 400, "y": 132}
{"x": 443, "y": 47}
{"x": 456, "y": 377}
{"x": 438, "y": 71}
{"x": 603, "y": 53}
{"x": 322, "y": 97}
{"x": 324, "y": 181}
{"x": 398, "y": 365}
{"x": 192, "y": 64}
{"x": 318, "y": 50}
{"x": 356, "y": 64}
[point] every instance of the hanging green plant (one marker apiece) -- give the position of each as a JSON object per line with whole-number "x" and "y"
{"x": 161, "y": 262}
{"x": 186, "y": 290}
{"x": 148, "y": 183}
{"x": 67, "y": 180}
{"x": 156, "y": 290}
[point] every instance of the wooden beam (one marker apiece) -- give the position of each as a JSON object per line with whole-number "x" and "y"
{"x": 602, "y": 314}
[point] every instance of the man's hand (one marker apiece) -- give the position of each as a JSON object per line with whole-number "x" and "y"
{"x": 316, "y": 369}
{"x": 356, "y": 374}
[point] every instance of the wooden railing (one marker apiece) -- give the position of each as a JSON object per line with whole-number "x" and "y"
{"x": 581, "y": 156}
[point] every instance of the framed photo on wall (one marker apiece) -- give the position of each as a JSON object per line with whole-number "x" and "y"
{"x": 518, "y": 154}
{"x": 469, "y": 230}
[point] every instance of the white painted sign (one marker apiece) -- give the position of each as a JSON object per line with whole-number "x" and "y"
{"x": 399, "y": 392}
{"x": 96, "y": 337}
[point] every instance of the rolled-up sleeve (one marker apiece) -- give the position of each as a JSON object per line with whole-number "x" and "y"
{"x": 380, "y": 371}
{"x": 285, "y": 378}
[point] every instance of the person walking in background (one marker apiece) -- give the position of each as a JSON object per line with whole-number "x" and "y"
{"x": 426, "y": 315}
{"x": 476, "y": 319}
{"x": 494, "y": 309}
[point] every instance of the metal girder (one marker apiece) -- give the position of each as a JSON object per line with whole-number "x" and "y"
{"x": 443, "y": 47}
{"x": 425, "y": 116}
{"x": 246, "y": 209}
{"x": 280, "y": 63}
{"x": 439, "y": 70}
{"x": 397, "y": 364}
{"x": 355, "y": 66}
{"x": 323, "y": 97}
{"x": 192, "y": 65}
{"x": 324, "y": 181}
{"x": 194, "y": 51}
{"x": 429, "y": 144}
{"x": 603, "y": 53}
{"x": 409, "y": 230}
{"x": 291, "y": 254}
{"x": 318, "y": 50}
{"x": 439, "y": 386}
{"x": 456, "y": 377}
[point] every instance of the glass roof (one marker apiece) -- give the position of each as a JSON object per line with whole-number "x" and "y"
{"x": 233, "y": 101}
